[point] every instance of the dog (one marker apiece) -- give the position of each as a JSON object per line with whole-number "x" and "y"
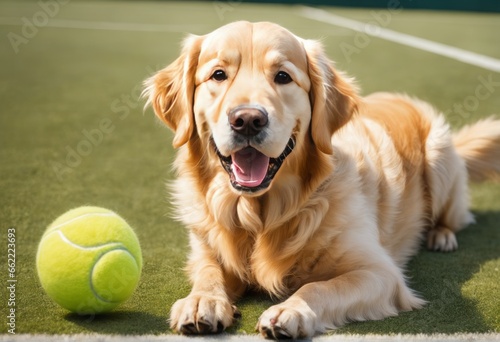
{"x": 292, "y": 183}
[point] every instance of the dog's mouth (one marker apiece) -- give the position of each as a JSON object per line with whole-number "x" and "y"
{"x": 250, "y": 170}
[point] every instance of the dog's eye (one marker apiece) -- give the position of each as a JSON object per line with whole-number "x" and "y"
{"x": 282, "y": 78}
{"x": 219, "y": 76}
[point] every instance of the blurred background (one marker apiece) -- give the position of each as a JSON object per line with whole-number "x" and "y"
{"x": 459, "y": 5}
{"x": 73, "y": 131}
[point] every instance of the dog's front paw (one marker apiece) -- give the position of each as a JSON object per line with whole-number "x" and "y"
{"x": 202, "y": 314}
{"x": 292, "y": 319}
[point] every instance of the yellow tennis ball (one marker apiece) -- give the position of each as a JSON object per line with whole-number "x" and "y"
{"x": 89, "y": 260}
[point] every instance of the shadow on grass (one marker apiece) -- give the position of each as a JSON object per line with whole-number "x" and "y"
{"x": 121, "y": 323}
{"x": 437, "y": 277}
{"x": 251, "y": 306}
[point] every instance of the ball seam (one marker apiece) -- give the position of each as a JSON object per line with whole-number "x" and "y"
{"x": 83, "y": 216}
{"x": 91, "y": 284}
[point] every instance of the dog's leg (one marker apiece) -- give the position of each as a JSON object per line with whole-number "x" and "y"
{"x": 451, "y": 202}
{"x": 455, "y": 216}
{"x": 369, "y": 294}
{"x": 208, "y": 308}
{"x": 447, "y": 180}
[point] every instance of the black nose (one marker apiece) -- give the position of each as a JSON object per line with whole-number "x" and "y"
{"x": 248, "y": 120}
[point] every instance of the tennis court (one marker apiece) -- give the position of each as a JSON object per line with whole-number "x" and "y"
{"x": 73, "y": 132}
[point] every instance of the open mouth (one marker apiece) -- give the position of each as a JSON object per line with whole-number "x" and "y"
{"x": 250, "y": 170}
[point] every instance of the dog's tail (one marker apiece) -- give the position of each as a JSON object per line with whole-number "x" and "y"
{"x": 479, "y": 145}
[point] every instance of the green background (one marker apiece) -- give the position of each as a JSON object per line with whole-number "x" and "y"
{"x": 65, "y": 85}
{"x": 457, "y": 5}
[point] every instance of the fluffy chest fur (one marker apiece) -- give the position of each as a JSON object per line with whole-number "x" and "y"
{"x": 290, "y": 182}
{"x": 305, "y": 230}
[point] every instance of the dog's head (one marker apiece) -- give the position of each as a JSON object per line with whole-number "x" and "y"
{"x": 253, "y": 93}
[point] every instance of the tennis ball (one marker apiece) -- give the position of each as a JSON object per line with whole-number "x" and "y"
{"x": 89, "y": 260}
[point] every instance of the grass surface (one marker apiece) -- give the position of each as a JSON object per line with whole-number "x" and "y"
{"x": 67, "y": 84}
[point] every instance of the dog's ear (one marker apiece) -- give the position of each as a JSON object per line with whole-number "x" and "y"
{"x": 170, "y": 91}
{"x": 334, "y": 97}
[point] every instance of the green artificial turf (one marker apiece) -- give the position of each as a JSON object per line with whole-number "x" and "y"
{"x": 76, "y": 89}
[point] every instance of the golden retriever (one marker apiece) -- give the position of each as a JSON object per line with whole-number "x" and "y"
{"x": 292, "y": 183}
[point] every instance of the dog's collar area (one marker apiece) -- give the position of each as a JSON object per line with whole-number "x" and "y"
{"x": 272, "y": 169}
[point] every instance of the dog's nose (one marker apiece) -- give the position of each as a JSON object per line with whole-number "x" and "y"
{"x": 248, "y": 120}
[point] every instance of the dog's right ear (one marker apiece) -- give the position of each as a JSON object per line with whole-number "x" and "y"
{"x": 170, "y": 91}
{"x": 334, "y": 96}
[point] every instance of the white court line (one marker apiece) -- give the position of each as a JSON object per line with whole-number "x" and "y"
{"x": 102, "y": 25}
{"x": 452, "y": 52}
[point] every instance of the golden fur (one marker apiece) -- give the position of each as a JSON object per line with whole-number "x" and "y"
{"x": 366, "y": 180}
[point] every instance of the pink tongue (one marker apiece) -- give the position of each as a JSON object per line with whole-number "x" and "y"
{"x": 249, "y": 167}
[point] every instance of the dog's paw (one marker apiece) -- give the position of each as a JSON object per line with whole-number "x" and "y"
{"x": 292, "y": 319}
{"x": 441, "y": 239}
{"x": 202, "y": 314}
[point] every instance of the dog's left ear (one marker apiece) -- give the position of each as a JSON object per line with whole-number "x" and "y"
{"x": 334, "y": 98}
{"x": 170, "y": 91}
